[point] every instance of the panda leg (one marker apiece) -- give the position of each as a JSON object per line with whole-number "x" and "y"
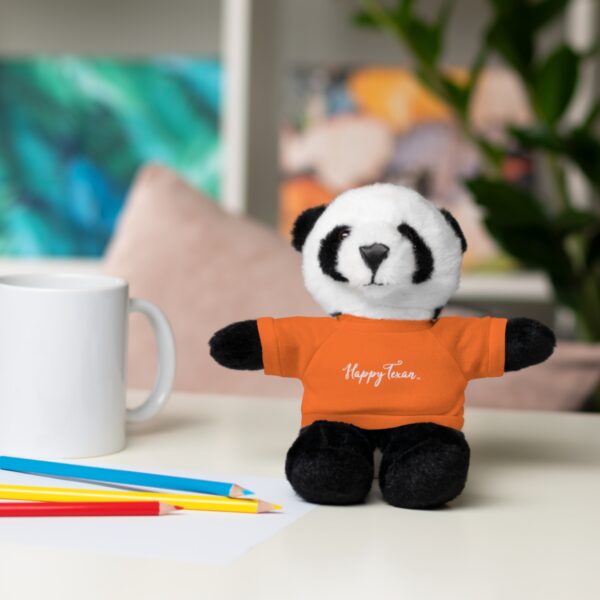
{"x": 424, "y": 465}
{"x": 331, "y": 463}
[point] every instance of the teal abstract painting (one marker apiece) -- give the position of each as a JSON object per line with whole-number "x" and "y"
{"x": 74, "y": 130}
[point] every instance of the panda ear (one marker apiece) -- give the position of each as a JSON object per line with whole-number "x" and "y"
{"x": 303, "y": 225}
{"x": 456, "y": 227}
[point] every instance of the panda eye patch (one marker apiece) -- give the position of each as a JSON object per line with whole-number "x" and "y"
{"x": 421, "y": 251}
{"x": 328, "y": 253}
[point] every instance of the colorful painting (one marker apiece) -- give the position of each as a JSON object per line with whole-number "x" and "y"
{"x": 350, "y": 127}
{"x": 74, "y": 131}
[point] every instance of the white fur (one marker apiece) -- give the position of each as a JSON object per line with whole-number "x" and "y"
{"x": 374, "y": 213}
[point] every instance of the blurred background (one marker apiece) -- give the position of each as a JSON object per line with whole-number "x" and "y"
{"x": 174, "y": 144}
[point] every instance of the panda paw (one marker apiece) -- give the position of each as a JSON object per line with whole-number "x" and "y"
{"x": 528, "y": 342}
{"x": 238, "y": 346}
{"x": 424, "y": 465}
{"x": 331, "y": 463}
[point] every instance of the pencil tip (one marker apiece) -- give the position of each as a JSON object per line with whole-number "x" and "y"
{"x": 237, "y": 491}
{"x": 165, "y": 509}
{"x": 263, "y": 507}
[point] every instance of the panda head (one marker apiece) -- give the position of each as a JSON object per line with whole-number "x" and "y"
{"x": 381, "y": 251}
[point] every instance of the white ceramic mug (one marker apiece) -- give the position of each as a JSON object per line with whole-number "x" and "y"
{"x": 63, "y": 358}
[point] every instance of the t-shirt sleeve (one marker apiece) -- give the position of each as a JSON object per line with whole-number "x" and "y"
{"x": 289, "y": 344}
{"x": 477, "y": 344}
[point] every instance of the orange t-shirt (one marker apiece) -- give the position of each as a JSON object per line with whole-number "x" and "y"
{"x": 378, "y": 374}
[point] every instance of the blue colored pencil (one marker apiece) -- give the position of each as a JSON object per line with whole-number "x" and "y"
{"x": 133, "y": 478}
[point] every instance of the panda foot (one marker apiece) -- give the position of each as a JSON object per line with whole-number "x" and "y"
{"x": 331, "y": 463}
{"x": 423, "y": 465}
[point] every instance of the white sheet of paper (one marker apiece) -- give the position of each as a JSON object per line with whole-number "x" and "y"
{"x": 192, "y": 536}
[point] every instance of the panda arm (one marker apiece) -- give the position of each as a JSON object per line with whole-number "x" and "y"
{"x": 528, "y": 342}
{"x": 238, "y": 346}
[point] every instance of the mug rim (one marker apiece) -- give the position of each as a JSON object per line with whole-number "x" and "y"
{"x": 50, "y": 282}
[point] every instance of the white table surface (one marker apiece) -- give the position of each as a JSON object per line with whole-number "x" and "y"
{"x": 528, "y": 525}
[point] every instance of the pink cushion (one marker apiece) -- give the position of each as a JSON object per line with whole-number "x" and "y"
{"x": 205, "y": 269}
{"x": 563, "y": 382}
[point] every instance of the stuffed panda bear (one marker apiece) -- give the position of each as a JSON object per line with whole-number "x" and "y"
{"x": 384, "y": 370}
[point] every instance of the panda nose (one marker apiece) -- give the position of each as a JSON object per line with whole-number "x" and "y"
{"x": 374, "y": 255}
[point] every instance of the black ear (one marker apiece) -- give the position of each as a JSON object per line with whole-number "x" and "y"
{"x": 457, "y": 230}
{"x": 304, "y": 223}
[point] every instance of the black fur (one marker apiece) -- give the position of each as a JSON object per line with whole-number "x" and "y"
{"x": 331, "y": 463}
{"x": 422, "y": 253}
{"x": 528, "y": 342}
{"x": 454, "y": 224}
{"x": 424, "y": 465}
{"x": 328, "y": 253}
{"x": 238, "y": 346}
{"x": 303, "y": 224}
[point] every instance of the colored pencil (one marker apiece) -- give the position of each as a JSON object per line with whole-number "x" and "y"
{"x": 85, "y": 509}
{"x": 135, "y": 478}
{"x": 188, "y": 501}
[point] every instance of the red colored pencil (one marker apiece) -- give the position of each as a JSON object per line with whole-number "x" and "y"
{"x": 84, "y": 509}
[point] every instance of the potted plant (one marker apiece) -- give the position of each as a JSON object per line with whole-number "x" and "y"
{"x": 550, "y": 232}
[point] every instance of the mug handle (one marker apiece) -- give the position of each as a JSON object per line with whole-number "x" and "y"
{"x": 166, "y": 361}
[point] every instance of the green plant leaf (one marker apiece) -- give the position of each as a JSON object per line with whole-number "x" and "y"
{"x": 364, "y": 19}
{"x": 580, "y": 146}
{"x": 554, "y": 82}
{"x": 592, "y": 116}
{"x": 509, "y": 5}
{"x": 517, "y": 221}
{"x": 593, "y": 251}
{"x": 510, "y": 35}
{"x": 424, "y": 40}
{"x": 445, "y": 14}
{"x": 514, "y": 26}
{"x": 543, "y": 13}
{"x": 583, "y": 148}
{"x": 535, "y": 247}
{"x": 425, "y": 78}
{"x": 457, "y": 95}
{"x": 538, "y": 14}
{"x": 571, "y": 220}
{"x": 404, "y": 11}
{"x": 506, "y": 203}
{"x": 475, "y": 71}
{"x": 537, "y": 137}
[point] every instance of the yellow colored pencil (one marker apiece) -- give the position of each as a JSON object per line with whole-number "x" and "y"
{"x": 187, "y": 501}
